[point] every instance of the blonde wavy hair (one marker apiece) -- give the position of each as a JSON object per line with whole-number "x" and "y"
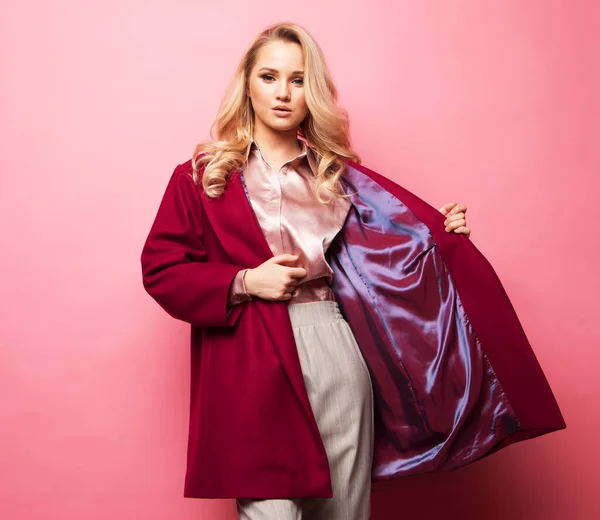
{"x": 325, "y": 127}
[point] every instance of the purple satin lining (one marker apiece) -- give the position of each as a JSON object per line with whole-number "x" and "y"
{"x": 396, "y": 293}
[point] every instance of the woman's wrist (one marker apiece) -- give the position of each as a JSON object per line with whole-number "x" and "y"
{"x": 244, "y": 283}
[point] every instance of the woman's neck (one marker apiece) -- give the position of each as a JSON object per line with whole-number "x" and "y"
{"x": 278, "y": 146}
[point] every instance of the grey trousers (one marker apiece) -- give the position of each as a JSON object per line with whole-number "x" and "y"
{"x": 341, "y": 397}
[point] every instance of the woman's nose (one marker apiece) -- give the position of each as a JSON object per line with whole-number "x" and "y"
{"x": 283, "y": 93}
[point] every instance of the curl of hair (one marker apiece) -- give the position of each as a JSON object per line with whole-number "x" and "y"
{"x": 325, "y": 129}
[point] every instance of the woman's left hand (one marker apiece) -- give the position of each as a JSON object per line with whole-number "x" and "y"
{"x": 456, "y": 221}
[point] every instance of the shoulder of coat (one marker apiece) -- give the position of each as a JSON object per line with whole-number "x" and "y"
{"x": 186, "y": 169}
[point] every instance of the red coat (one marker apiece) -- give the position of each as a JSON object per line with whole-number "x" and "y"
{"x": 453, "y": 374}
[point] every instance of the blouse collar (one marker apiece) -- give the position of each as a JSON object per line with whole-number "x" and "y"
{"x": 303, "y": 153}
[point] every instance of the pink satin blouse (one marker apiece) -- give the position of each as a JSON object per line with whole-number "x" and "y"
{"x": 293, "y": 221}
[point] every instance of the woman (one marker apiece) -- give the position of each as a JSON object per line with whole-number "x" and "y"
{"x": 330, "y": 346}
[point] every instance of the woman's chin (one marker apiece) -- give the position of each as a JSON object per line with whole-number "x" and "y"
{"x": 282, "y": 127}
{"x": 280, "y": 124}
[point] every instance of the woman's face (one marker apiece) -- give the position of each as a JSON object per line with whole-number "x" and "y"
{"x": 277, "y": 80}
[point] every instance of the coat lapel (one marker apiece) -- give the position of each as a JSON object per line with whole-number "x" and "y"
{"x": 233, "y": 219}
{"x": 235, "y": 224}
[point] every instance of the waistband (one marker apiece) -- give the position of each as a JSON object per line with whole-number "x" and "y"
{"x": 313, "y": 313}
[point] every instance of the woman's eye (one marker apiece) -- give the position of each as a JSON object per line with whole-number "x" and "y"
{"x": 269, "y": 77}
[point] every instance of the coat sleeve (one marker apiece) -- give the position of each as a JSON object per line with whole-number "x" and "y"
{"x": 175, "y": 269}
{"x": 237, "y": 292}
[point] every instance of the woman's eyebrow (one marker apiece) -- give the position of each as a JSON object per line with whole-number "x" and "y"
{"x": 275, "y": 70}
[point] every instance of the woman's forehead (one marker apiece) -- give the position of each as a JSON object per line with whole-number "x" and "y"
{"x": 280, "y": 56}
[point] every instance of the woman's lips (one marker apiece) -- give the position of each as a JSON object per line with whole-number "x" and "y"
{"x": 282, "y": 113}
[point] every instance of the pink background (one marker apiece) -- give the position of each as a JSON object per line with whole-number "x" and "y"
{"x": 493, "y": 105}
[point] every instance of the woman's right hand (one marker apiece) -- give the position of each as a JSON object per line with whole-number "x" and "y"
{"x": 273, "y": 280}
